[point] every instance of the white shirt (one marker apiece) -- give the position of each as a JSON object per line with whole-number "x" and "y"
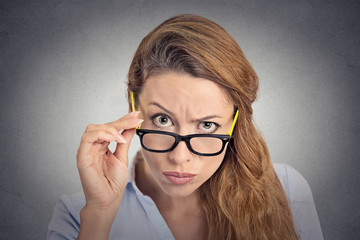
{"x": 138, "y": 217}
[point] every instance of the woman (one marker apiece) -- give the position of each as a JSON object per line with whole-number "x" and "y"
{"x": 203, "y": 172}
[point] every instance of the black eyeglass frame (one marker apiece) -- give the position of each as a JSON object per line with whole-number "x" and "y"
{"x": 178, "y": 138}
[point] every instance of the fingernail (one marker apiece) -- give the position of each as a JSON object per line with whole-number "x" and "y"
{"x": 140, "y": 122}
{"x": 122, "y": 139}
{"x": 134, "y": 113}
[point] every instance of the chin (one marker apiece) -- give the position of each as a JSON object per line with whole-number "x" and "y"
{"x": 174, "y": 190}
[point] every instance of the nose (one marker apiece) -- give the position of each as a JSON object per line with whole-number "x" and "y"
{"x": 181, "y": 154}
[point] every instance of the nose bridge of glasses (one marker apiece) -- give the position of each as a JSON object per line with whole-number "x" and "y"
{"x": 180, "y": 138}
{"x": 183, "y": 138}
{"x": 181, "y": 152}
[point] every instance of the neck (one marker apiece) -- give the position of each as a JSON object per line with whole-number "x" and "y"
{"x": 184, "y": 216}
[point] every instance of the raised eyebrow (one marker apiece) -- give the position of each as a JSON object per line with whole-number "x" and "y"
{"x": 163, "y": 108}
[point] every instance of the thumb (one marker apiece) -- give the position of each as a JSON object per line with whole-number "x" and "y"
{"x": 122, "y": 149}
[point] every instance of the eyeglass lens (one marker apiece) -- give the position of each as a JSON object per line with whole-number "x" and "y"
{"x": 161, "y": 142}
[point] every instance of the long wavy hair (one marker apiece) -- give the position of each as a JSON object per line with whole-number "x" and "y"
{"x": 244, "y": 198}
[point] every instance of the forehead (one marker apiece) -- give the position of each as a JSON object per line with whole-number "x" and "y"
{"x": 180, "y": 91}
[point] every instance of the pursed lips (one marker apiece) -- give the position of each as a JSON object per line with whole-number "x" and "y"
{"x": 179, "y": 178}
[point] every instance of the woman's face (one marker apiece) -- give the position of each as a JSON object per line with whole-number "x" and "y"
{"x": 182, "y": 104}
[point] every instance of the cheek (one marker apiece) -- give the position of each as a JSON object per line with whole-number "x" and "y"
{"x": 210, "y": 165}
{"x": 153, "y": 160}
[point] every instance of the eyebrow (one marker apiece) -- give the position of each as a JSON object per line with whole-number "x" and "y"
{"x": 207, "y": 118}
{"x": 171, "y": 113}
{"x": 163, "y": 108}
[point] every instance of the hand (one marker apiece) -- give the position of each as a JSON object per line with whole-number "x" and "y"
{"x": 104, "y": 175}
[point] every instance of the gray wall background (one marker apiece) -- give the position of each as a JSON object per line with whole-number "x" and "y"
{"x": 63, "y": 65}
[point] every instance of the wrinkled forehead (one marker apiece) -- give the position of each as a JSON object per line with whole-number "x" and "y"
{"x": 182, "y": 92}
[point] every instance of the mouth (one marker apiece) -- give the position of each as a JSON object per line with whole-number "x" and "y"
{"x": 179, "y": 178}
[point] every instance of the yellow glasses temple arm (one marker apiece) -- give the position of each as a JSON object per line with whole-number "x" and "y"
{"x": 234, "y": 122}
{"x": 133, "y": 105}
{"x": 132, "y": 101}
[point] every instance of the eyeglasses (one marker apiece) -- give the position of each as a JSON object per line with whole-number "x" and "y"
{"x": 200, "y": 144}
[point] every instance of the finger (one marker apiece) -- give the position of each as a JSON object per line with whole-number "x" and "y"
{"x": 129, "y": 121}
{"x": 131, "y": 115}
{"x": 101, "y": 138}
{"x": 97, "y": 136}
{"x": 92, "y": 127}
{"x": 121, "y": 151}
{"x": 126, "y": 123}
{"x": 111, "y": 130}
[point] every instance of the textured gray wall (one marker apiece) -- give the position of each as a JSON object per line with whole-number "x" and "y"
{"x": 63, "y": 65}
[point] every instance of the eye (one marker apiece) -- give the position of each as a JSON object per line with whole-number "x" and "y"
{"x": 208, "y": 127}
{"x": 161, "y": 120}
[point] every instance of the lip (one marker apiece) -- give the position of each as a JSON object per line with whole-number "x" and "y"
{"x": 179, "y": 178}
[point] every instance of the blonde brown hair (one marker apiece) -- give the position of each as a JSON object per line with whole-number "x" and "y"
{"x": 244, "y": 198}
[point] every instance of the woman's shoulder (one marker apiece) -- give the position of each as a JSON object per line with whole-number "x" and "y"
{"x": 136, "y": 211}
{"x": 301, "y": 202}
{"x": 295, "y": 185}
{"x": 65, "y": 222}
{"x": 73, "y": 203}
